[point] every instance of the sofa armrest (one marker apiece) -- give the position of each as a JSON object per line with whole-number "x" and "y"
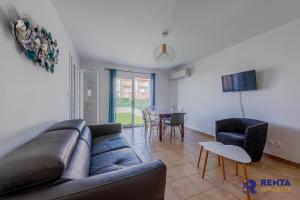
{"x": 144, "y": 181}
{"x": 255, "y": 140}
{"x": 225, "y": 125}
{"x": 105, "y": 129}
{"x": 257, "y": 131}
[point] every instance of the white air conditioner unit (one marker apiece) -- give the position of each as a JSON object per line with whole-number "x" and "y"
{"x": 181, "y": 74}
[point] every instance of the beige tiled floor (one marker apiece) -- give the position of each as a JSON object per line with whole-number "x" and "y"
{"x": 184, "y": 179}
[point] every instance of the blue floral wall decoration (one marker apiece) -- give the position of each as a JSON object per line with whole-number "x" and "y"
{"x": 37, "y": 43}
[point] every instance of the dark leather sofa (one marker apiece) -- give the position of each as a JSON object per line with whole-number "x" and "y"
{"x": 249, "y": 134}
{"x": 72, "y": 161}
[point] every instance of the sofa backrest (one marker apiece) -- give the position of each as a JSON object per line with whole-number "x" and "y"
{"x": 79, "y": 164}
{"x": 41, "y": 160}
{"x": 86, "y": 136}
{"x": 77, "y": 124}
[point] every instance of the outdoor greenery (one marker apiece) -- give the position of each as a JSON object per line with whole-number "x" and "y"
{"x": 126, "y": 102}
{"x": 125, "y": 119}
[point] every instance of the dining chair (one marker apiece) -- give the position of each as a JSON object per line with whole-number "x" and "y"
{"x": 176, "y": 120}
{"x": 152, "y": 123}
{"x": 174, "y": 108}
{"x": 145, "y": 124}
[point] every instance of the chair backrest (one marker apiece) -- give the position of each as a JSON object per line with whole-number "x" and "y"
{"x": 150, "y": 108}
{"x": 176, "y": 108}
{"x": 241, "y": 124}
{"x": 147, "y": 114}
{"x": 238, "y": 125}
{"x": 177, "y": 119}
{"x": 144, "y": 115}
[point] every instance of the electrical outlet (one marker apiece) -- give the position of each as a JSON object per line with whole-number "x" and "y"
{"x": 278, "y": 144}
{"x": 275, "y": 143}
{"x": 271, "y": 142}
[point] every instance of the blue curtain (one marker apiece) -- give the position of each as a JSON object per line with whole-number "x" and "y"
{"x": 153, "y": 89}
{"x": 112, "y": 96}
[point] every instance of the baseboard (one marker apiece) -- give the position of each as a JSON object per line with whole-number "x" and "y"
{"x": 206, "y": 134}
{"x": 265, "y": 154}
{"x": 282, "y": 160}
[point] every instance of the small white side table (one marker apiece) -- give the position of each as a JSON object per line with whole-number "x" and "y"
{"x": 235, "y": 153}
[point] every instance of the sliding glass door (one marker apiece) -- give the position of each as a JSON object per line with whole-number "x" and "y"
{"x": 132, "y": 96}
{"x": 141, "y": 99}
{"x": 124, "y": 101}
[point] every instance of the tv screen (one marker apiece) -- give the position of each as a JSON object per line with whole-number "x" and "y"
{"x": 227, "y": 83}
{"x": 242, "y": 81}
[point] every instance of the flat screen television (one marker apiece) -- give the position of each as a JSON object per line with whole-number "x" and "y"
{"x": 243, "y": 81}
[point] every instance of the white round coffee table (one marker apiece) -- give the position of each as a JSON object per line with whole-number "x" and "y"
{"x": 235, "y": 153}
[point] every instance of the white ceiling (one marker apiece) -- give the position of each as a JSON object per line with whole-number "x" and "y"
{"x": 127, "y": 31}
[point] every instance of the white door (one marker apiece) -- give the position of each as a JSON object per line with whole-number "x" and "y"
{"x": 90, "y": 96}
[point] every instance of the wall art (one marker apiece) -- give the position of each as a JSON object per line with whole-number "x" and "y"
{"x": 37, "y": 43}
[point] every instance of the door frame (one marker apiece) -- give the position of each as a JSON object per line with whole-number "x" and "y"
{"x": 74, "y": 89}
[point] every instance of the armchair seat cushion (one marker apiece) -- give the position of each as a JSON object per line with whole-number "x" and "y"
{"x": 107, "y": 143}
{"x": 113, "y": 160}
{"x": 232, "y": 138}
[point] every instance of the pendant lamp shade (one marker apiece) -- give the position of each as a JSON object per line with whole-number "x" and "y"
{"x": 164, "y": 54}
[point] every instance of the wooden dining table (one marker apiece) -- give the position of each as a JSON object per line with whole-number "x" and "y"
{"x": 163, "y": 114}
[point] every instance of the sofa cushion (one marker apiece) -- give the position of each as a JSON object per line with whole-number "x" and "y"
{"x": 105, "y": 129}
{"x": 107, "y": 143}
{"x": 79, "y": 164}
{"x": 232, "y": 138}
{"x": 86, "y": 136}
{"x": 77, "y": 124}
{"x": 113, "y": 160}
{"x": 42, "y": 159}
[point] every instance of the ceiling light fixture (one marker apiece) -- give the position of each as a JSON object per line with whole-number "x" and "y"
{"x": 164, "y": 53}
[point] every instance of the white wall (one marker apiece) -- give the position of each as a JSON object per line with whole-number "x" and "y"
{"x": 163, "y": 84}
{"x": 276, "y": 57}
{"x": 31, "y": 98}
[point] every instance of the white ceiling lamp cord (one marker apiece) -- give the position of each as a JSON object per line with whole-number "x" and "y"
{"x": 241, "y": 103}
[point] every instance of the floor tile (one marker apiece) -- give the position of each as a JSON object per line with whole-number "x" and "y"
{"x": 184, "y": 180}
